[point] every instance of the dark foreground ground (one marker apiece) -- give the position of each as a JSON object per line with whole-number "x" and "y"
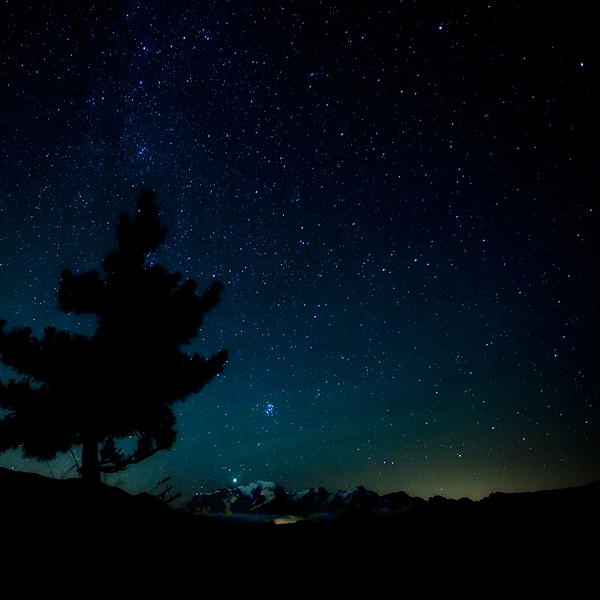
{"x": 59, "y": 533}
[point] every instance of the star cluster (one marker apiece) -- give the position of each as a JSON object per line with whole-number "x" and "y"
{"x": 400, "y": 198}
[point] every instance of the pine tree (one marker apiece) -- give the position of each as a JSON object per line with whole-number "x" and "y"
{"x": 121, "y": 382}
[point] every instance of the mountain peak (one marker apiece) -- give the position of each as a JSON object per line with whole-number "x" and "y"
{"x": 267, "y": 497}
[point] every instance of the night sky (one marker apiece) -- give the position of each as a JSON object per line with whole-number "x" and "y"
{"x": 401, "y": 199}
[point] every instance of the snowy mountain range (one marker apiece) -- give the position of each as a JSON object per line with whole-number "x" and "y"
{"x": 268, "y": 498}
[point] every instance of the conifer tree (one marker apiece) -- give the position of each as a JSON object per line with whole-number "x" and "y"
{"x": 121, "y": 382}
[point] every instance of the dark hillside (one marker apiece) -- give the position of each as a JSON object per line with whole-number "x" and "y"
{"x": 509, "y": 534}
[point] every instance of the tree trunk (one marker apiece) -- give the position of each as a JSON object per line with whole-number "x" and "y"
{"x": 90, "y": 464}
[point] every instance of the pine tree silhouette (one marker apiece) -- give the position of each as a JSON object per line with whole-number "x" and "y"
{"x": 121, "y": 382}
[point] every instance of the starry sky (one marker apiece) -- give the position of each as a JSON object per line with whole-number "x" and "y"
{"x": 399, "y": 197}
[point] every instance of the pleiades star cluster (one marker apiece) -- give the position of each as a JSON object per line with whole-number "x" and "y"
{"x": 401, "y": 199}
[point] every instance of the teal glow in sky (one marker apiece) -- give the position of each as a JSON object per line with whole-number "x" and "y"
{"x": 401, "y": 204}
